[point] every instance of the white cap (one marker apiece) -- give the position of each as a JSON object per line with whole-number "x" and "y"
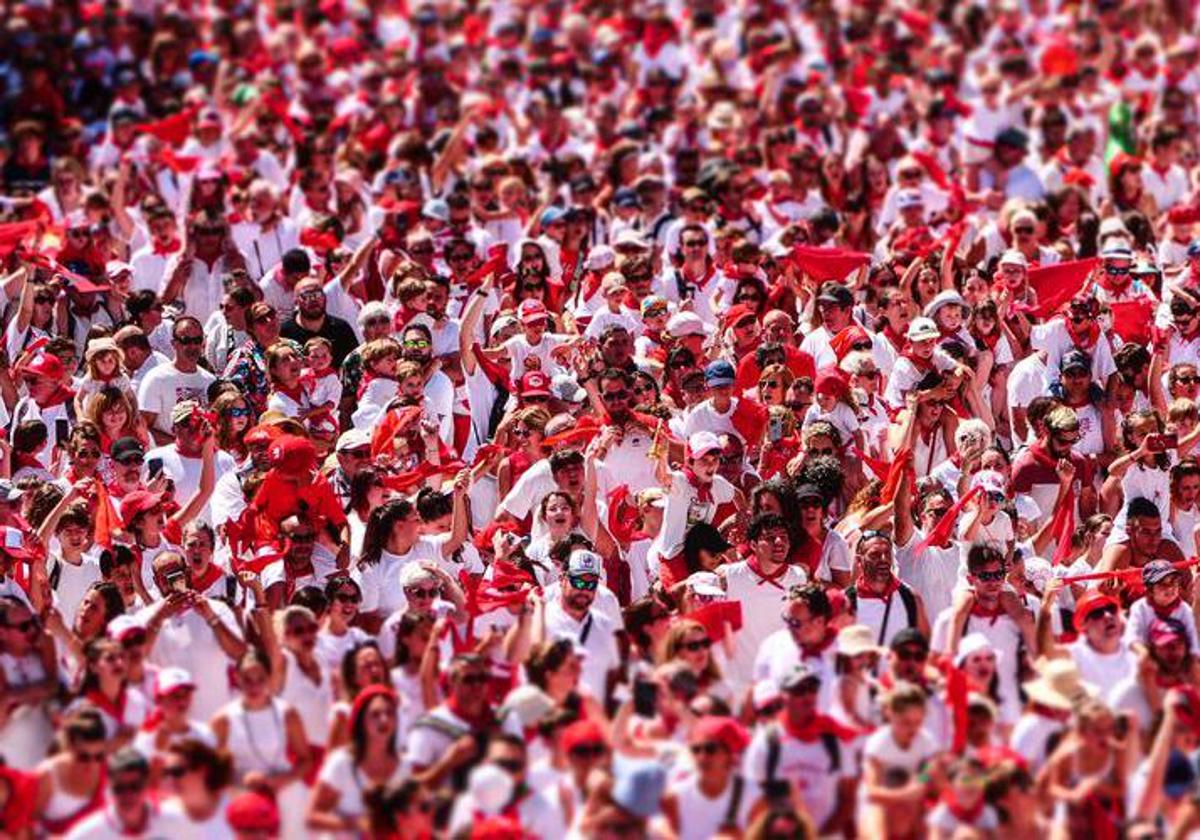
{"x": 584, "y": 562}
{"x": 502, "y": 323}
{"x": 949, "y": 297}
{"x": 766, "y": 692}
{"x": 922, "y": 329}
{"x": 491, "y": 788}
{"x": 686, "y": 323}
{"x": 601, "y": 257}
{"x": 1038, "y": 572}
{"x": 630, "y": 238}
{"x": 705, "y": 583}
{"x": 115, "y": 268}
{"x": 171, "y": 679}
{"x": 121, "y": 625}
{"x": 1028, "y": 508}
{"x": 701, "y": 443}
{"x": 1013, "y": 257}
{"x": 990, "y": 480}
{"x": 352, "y": 439}
{"x": 969, "y": 644}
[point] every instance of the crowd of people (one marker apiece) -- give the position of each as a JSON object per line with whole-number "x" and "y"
{"x": 688, "y": 419}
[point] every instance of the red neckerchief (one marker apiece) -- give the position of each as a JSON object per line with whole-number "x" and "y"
{"x": 477, "y": 722}
{"x": 990, "y": 340}
{"x": 966, "y": 816}
{"x": 1039, "y": 453}
{"x": 763, "y": 577}
{"x": 1084, "y": 337}
{"x": 115, "y": 710}
{"x": 211, "y": 575}
{"x": 295, "y": 393}
{"x": 655, "y": 37}
{"x": 894, "y": 338}
{"x": 58, "y": 396}
{"x": 922, "y": 365}
{"x": 815, "y": 727}
{"x": 888, "y": 591}
{"x": 1049, "y": 714}
{"x": 703, "y": 490}
{"x": 551, "y": 145}
{"x": 807, "y": 553}
{"x": 810, "y": 652}
{"x": 1164, "y": 612}
{"x": 703, "y": 279}
{"x": 980, "y": 611}
{"x": 166, "y": 250}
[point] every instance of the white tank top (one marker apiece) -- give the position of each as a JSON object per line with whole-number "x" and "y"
{"x": 700, "y": 817}
{"x": 258, "y": 739}
{"x": 311, "y": 700}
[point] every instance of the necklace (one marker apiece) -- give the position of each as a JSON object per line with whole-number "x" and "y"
{"x": 250, "y": 732}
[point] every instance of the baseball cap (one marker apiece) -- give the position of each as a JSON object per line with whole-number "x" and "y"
{"x": 253, "y": 811}
{"x": 601, "y": 257}
{"x": 352, "y": 439}
{"x": 1117, "y": 250}
{"x": 909, "y": 636}
{"x": 137, "y": 503}
{"x": 922, "y": 329}
{"x": 44, "y": 365}
{"x": 184, "y": 411}
{"x": 686, "y": 323}
{"x": 990, "y": 480}
{"x": 1074, "y": 360}
{"x": 798, "y": 675}
{"x": 535, "y": 384}
{"x": 551, "y": 215}
{"x": 583, "y": 562}
{"x": 719, "y": 373}
{"x": 531, "y": 311}
{"x": 638, "y": 786}
{"x": 170, "y": 680}
{"x": 835, "y": 293}
{"x": 1088, "y": 603}
{"x": 701, "y": 443}
{"x": 1163, "y": 630}
{"x": 1156, "y": 571}
{"x": 127, "y": 449}
{"x": 1013, "y": 257}
{"x": 808, "y": 491}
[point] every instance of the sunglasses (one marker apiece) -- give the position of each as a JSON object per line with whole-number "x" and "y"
{"x": 302, "y": 630}
{"x": 911, "y": 654}
{"x": 348, "y": 597}
{"x": 588, "y": 751}
{"x": 706, "y": 749}
{"x": 88, "y": 453}
{"x": 176, "y": 772}
{"x": 416, "y": 592}
{"x": 189, "y": 340}
{"x": 583, "y": 584}
{"x": 697, "y": 645}
{"x": 510, "y": 765}
{"x": 302, "y": 537}
{"x": 615, "y": 396}
{"x": 1187, "y": 380}
{"x": 237, "y": 412}
{"x": 90, "y": 757}
{"x": 125, "y": 788}
{"x": 811, "y": 504}
{"x": 1103, "y": 612}
{"x": 990, "y": 577}
{"x": 1023, "y": 230}
{"x": 819, "y": 452}
{"x": 416, "y": 344}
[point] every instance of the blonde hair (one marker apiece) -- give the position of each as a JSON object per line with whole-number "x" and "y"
{"x": 673, "y": 645}
{"x": 1182, "y": 409}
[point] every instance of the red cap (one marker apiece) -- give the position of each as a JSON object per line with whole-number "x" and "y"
{"x": 365, "y": 697}
{"x": 831, "y": 382}
{"x": 1182, "y": 215}
{"x": 583, "y": 733}
{"x": 253, "y": 811}
{"x": 138, "y": 502}
{"x": 535, "y": 384}
{"x": 1088, "y": 603}
{"x": 1122, "y": 160}
{"x": 293, "y": 455}
{"x": 723, "y": 730}
{"x": 737, "y": 314}
{"x": 1163, "y": 630}
{"x": 1079, "y": 178}
{"x": 531, "y": 311}
{"x": 45, "y": 364}
{"x": 498, "y": 828}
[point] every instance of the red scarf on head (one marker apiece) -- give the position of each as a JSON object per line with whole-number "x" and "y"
{"x": 966, "y": 816}
{"x": 815, "y": 727}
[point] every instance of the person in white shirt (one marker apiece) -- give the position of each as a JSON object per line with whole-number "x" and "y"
{"x": 129, "y": 811}
{"x": 166, "y": 386}
{"x": 573, "y": 615}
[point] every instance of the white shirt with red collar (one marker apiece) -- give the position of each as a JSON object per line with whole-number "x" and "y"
{"x": 1168, "y": 186}
{"x": 688, "y": 504}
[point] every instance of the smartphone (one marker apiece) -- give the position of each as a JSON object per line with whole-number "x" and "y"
{"x": 775, "y": 429}
{"x": 1161, "y": 443}
{"x": 1121, "y": 727}
{"x": 645, "y": 698}
{"x": 154, "y": 467}
{"x": 62, "y": 430}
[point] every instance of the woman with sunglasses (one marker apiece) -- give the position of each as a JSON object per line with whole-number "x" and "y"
{"x": 705, "y": 802}
{"x": 266, "y": 738}
{"x": 522, "y": 434}
{"x": 688, "y": 642}
{"x": 370, "y": 760}
{"x": 773, "y": 385}
{"x": 27, "y": 680}
{"x": 199, "y": 777}
{"x": 298, "y": 675}
{"x": 71, "y": 784}
{"x": 338, "y": 633}
{"x": 234, "y": 419}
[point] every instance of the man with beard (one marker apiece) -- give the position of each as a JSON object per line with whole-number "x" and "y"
{"x": 444, "y": 744}
{"x": 1143, "y": 540}
{"x": 878, "y": 598}
{"x": 1040, "y": 469}
{"x": 130, "y": 811}
{"x": 302, "y": 563}
{"x": 194, "y": 274}
{"x": 416, "y": 345}
{"x": 623, "y": 450}
{"x": 310, "y": 320}
{"x": 807, "y": 637}
{"x": 1168, "y": 665}
{"x": 573, "y": 615}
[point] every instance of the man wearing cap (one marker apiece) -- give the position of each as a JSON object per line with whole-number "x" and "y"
{"x": 534, "y": 348}
{"x": 804, "y": 754}
{"x": 1006, "y": 171}
{"x": 181, "y": 380}
{"x": 836, "y": 304}
{"x": 623, "y": 449}
{"x": 45, "y": 398}
{"x": 130, "y": 810}
{"x": 1103, "y": 657}
{"x": 573, "y": 615}
{"x": 721, "y": 411}
{"x": 183, "y": 459}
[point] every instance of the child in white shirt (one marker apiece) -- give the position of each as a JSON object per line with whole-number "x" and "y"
{"x": 834, "y": 403}
{"x": 1163, "y": 600}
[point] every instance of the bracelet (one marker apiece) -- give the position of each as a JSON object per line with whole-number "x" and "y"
{"x": 481, "y": 292}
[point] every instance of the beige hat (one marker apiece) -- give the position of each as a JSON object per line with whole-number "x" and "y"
{"x": 856, "y": 639}
{"x": 100, "y": 345}
{"x": 1058, "y": 684}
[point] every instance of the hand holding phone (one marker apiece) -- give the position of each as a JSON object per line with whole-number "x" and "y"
{"x": 1161, "y": 443}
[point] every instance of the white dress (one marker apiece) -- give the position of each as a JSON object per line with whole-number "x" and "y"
{"x": 258, "y": 742}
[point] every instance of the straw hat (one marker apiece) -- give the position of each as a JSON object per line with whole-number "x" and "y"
{"x": 1058, "y": 684}
{"x": 856, "y": 639}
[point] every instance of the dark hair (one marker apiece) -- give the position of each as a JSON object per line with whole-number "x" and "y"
{"x": 408, "y": 624}
{"x": 813, "y": 596}
{"x": 312, "y": 597}
{"x": 114, "y": 603}
{"x": 1142, "y": 509}
{"x": 434, "y": 504}
{"x": 826, "y": 473}
{"x": 565, "y": 458}
{"x": 639, "y": 615}
{"x": 216, "y": 763}
{"x": 982, "y": 554}
{"x": 546, "y": 657}
{"x": 336, "y": 582}
{"x": 296, "y": 261}
{"x": 783, "y": 491}
{"x": 764, "y": 521}
{"x": 616, "y": 373}
{"x": 701, "y": 537}
{"x": 358, "y": 729}
{"x": 379, "y": 528}
{"x": 387, "y": 802}
{"x": 111, "y": 558}
{"x": 360, "y": 486}
{"x": 349, "y": 667}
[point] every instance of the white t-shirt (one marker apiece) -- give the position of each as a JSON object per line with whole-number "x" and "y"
{"x": 596, "y": 634}
{"x": 380, "y": 582}
{"x": 808, "y": 765}
{"x": 338, "y": 771}
{"x": 684, "y": 509}
{"x": 105, "y": 825}
{"x": 165, "y": 386}
{"x": 186, "y": 641}
{"x": 185, "y": 472}
{"x": 762, "y": 613}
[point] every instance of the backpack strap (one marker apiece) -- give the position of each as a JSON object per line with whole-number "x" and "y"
{"x": 852, "y": 597}
{"x": 909, "y": 599}
{"x": 774, "y": 752}
{"x": 731, "y": 821}
{"x": 443, "y": 727}
{"x": 834, "y": 748}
